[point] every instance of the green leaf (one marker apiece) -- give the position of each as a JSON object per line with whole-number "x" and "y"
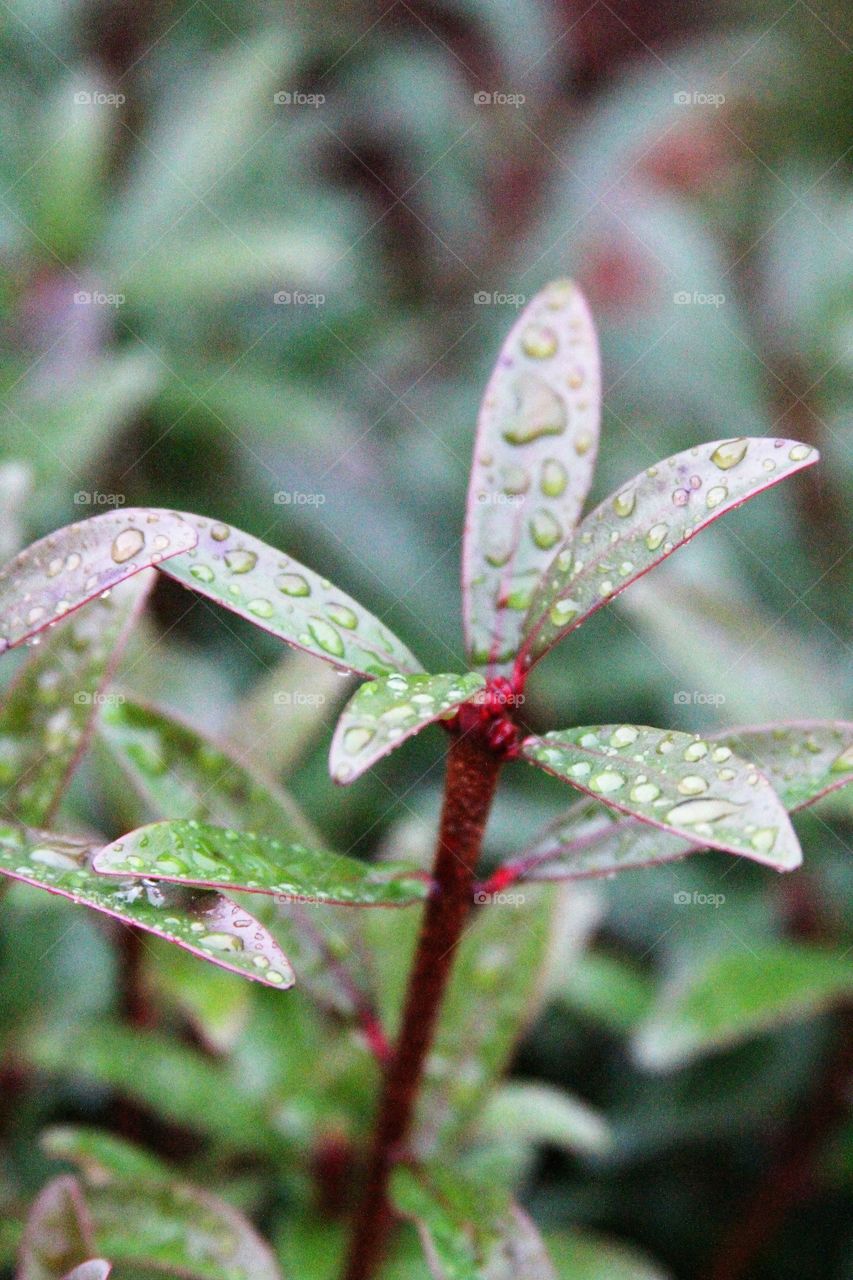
{"x": 739, "y": 994}
{"x": 62, "y": 571}
{"x": 534, "y": 456}
{"x": 101, "y": 1157}
{"x": 381, "y": 715}
{"x": 182, "y": 773}
{"x": 539, "y": 1113}
{"x": 276, "y": 593}
{"x": 197, "y": 854}
{"x": 58, "y": 1233}
{"x": 208, "y": 924}
{"x": 48, "y": 713}
{"x": 216, "y": 1004}
{"x": 583, "y": 1256}
{"x": 94, "y": 1269}
{"x": 608, "y": 989}
{"x": 469, "y": 1231}
{"x": 644, "y": 522}
{"x": 804, "y": 760}
{"x": 675, "y": 781}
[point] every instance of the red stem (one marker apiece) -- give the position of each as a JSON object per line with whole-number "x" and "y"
{"x": 472, "y": 773}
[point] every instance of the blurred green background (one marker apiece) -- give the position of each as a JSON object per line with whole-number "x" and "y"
{"x": 257, "y": 264}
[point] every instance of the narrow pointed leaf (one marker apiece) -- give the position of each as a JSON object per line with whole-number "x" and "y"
{"x": 208, "y": 924}
{"x": 64, "y": 570}
{"x": 58, "y": 1234}
{"x": 179, "y": 772}
{"x": 48, "y": 713}
{"x": 94, "y": 1269}
{"x": 803, "y": 760}
{"x": 469, "y": 1231}
{"x": 101, "y": 1157}
{"x": 534, "y": 456}
{"x": 676, "y": 781}
{"x": 276, "y": 593}
{"x": 384, "y": 713}
{"x": 219, "y": 857}
{"x": 739, "y": 994}
{"x": 584, "y": 1256}
{"x": 644, "y": 522}
{"x": 534, "y": 1113}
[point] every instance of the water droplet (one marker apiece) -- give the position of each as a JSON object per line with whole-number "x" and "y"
{"x": 607, "y": 781}
{"x": 842, "y": 763}
{"x": 357, "y": 738}
{"x": 554, "y": 478}
{"x": 692, "y": 785}
{"x": 326, "y": 637}
{"x": 515, "y": 480}
{"x": 545, "y": 529}
{"x": 539, "y": 411}
{"x": 241, "y": 561}
{"x": 605, "y": 588}
{"x": 799, "y": 452}
{"x": 219, "y": 532}
{"x": 764, "y": 839}
{"x": 126, "y": 545}
{"x": 563, "y": 611}
{"x": 343, "y": 616}
{"x": 696, "y": 751}
{"x": 624, "y": 736}
{"x": 656, "y": 536}
{"x": 726, "y": 775}
{"x": 202, "y": 572}
{"x": 583, "y": 443}
{"x": 293, "y": 584}
{"x": 260, "y": 607}
{"x": 719, "y": 754}
{"x": 222, "y": 942}
{"x": 54, "y": 567}
{"x": 715, "y": 496}
{"x": 539, "y": 341}
{"x": 624, "y": 502}
{"x": 692, "y": 812}
{"x": 73, "y": 562}
{"x": 730, "y": 453}
{"x": 645, "y": 792}
{"x": 681, "y": 497}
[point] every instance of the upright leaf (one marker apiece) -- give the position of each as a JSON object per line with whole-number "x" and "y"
{"x": 644, "y": 522}
{"x": 62, "y": 571}
{"x": 208, "y": 924}
{"x": 58, "y": 1234}
{"x": 534, "y": 456}
{"x": 46, "y": 716}
{"x": 381, "y": 715}
{"x": 279, "y": 594}
{"x": 676, "y": 781}
{"x": 194, "y": 853}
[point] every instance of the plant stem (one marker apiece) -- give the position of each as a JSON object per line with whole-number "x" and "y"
{"x": 472, "y": 774}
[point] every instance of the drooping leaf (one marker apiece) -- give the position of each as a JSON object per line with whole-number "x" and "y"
{"x": 101, "y": 1157}
{"x": 739, "y": 994}
{"x": 181, "y": 773}
{"x": 803, "y": 760}
{"x": 58, "y": 1235}
{"x": 645, "y": 521}
{"x": 278, "y": 594}
{"x": 384, "y": 713}
{"x": 534, "y": 456}
{"x": 583, "y": 1256}
{"x": 469, "y": 1231}
{"x": 195, "y": 853}
{"x": 64, "y": 570}
{"x": 533, "y": 1112}
{"x": 208, "y": 924}
{"x": 94, "y": 1269}
{"x": 48, "y": 713}
{"x": 675, "y": 781}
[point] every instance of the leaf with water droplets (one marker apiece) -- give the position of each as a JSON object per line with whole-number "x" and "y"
{"x": 684, "y": 784}
{"x": 644, "y": 522}
{"x": 208, "y": 924}
{"x": 533, "y": 462}
{"x": 64, "y": 570}
{"x": 58, "y": 1234}
{"x": 384, "y": 713}
{"x": 94, "y": 1269}
{"x": 281, "y": 596}
{"x": 220, "y": 857}
{"x": 179, "y": 772}
{"x": 469, "y": 1230}
{"x": 48, "y": 713}
{"x": 803, "y": 760}
{"x": 738, "y": 994}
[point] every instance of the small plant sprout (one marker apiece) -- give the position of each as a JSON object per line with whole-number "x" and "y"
{"x": 534, "y": 568}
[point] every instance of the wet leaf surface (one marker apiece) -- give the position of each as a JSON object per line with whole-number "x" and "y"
{"x": 58, "y": 1235}
{"x": 381, "y": 715}
{"x": 208, "y": 924}
{"x": 686, "y": 785}
{"x": 534, "y": 456}
{"x": 64, "y": 570}
{"x": 198, "y": 854}
{"x": 278, "y": 594}
{"x": 644, "y": 522}
{"x": 48, "y": 713}
{"x": 94, "y": 1269}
